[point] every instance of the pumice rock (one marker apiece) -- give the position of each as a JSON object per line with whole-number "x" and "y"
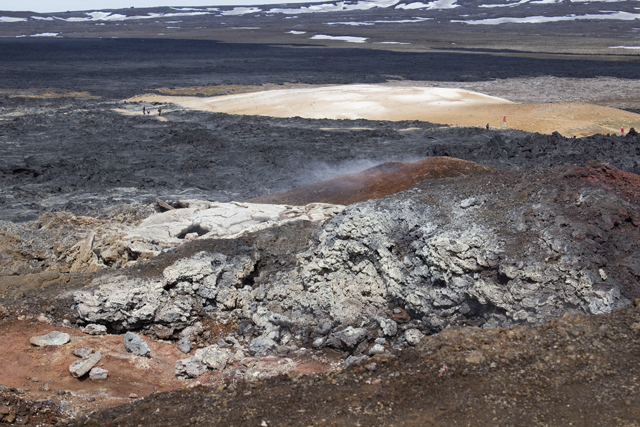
{"x": 191, "y": 367}
{"x": 136, "y": 345}
{"x": 80, "y": 367}
{"x": 96, "y": 374}
{"x": 52, "y": 338}
{"x": 214, "y": 357}
{"x": 413, "y": 336}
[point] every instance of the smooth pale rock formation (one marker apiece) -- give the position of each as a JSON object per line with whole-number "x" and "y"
{"x": 80, "y": 367}
{"x": 218, "y": 220}
{"x": 134, "y": 344}
{"x": 98, "y": 374}
{"x": 52, "y": 338}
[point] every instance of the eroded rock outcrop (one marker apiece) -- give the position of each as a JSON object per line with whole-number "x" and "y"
{"x": 496, "y": 249}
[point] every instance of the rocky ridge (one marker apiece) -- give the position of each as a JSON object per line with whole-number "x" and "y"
{"x": 490, "y": 250}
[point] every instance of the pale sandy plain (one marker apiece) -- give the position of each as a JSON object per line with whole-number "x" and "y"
{"x": 450, "y": 106}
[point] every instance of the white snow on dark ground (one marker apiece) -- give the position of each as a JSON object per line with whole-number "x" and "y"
{"x": 398, "y": 21}
{"x": 11, "y": 19}
{"x": 348, "y": 39}
{"x": 620, "y": 16}
{"x": 487, "y": 12}
{"x": 437, "y": 4}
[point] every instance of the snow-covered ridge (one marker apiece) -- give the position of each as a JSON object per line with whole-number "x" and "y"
{"x": 532, "y": 11}
{"x": 620, "y": 16}
{"x": 337, "y": 6}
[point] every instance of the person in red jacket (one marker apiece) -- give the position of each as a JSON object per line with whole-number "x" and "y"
{"x": 504, "y": 122}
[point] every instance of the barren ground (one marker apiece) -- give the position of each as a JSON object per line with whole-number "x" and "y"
{"x": 73, "y": 140}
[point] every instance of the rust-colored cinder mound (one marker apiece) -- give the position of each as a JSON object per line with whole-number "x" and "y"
{"x": 374, "y": 183}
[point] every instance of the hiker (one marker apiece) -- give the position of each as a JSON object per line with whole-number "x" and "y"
{"x": 487, "y": 126}
{"x": 149, "y": 111}
{"x": 504, "y": 122}
{"x": 159, "y": 111}
{"x": 622, "y": 132}
{"x": 144, "y": 110}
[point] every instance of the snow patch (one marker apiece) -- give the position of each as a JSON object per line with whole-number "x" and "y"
{"x": 236, "y": 11}
{"x": 11, "y": 19}
{"x": 348, "y": 39}
{"x": 108, "y": 16}
{"x": 337, "y": 7}
{"x": 437, "y": 4}
{"x": 620, "y": 16}
{"x": 399, "y": 21}
{"x": 44, "y": 35}
{"x": 296, "y": 32}
{"x": 521, "y": 2}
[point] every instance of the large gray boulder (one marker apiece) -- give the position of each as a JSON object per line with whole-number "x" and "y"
{"x": 348, "y": 338}
{"x": 134, "y": 344}
{"x": 191, "y": 367}
{"x": 214, "y": 357}
{"x": 262, "y": 346}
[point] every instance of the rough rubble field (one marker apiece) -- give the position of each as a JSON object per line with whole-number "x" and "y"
{"x": 202, "y": 268}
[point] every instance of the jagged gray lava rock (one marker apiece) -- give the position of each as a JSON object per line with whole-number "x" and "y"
{"x": 136, "y": 345}
{"x": 532, "y": 246}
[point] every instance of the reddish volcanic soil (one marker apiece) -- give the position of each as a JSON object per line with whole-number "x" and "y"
{"x": 374, "y": 183}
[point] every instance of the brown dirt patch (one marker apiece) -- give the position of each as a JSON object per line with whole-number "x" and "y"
{"x": 558, "y": 374}
{"x": 374, "y": 183}
{"x": 42, "y": 373}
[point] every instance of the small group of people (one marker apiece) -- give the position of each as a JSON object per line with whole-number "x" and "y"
{"x": 147, "y": 111}
{"x": 504, "y": 122}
